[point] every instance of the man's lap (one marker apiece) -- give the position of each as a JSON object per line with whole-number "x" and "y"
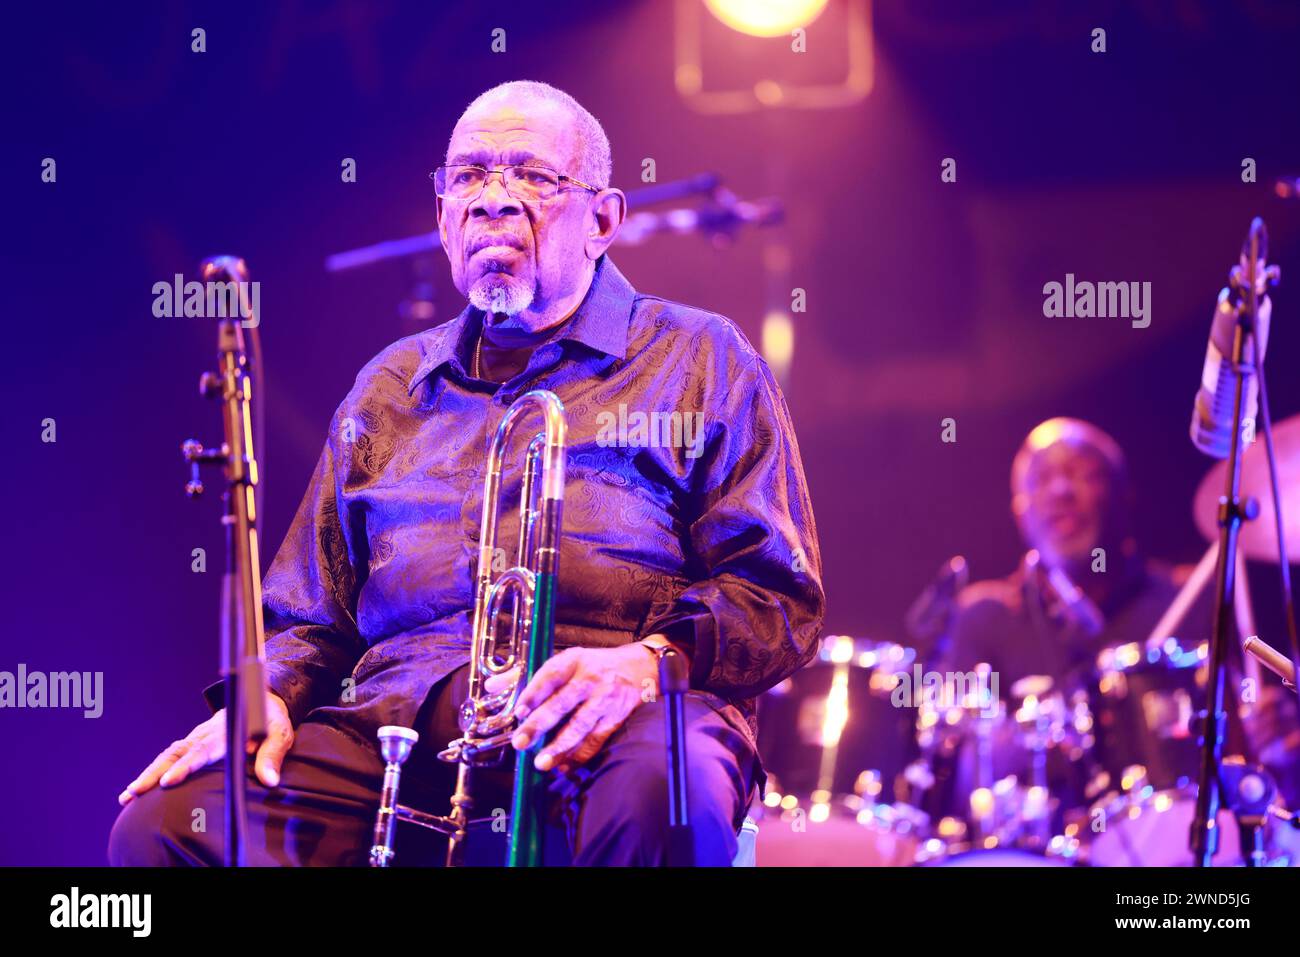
{"x": 322, "y": 812}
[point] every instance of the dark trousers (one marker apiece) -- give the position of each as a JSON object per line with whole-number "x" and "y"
{"x": 611, "y": 811}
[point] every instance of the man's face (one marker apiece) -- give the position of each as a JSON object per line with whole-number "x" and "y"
{"x": 1064, "y": 503}
{"x": 506, "y": 255}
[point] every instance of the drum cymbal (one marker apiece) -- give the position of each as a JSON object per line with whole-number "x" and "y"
{"x": 1258, "y": 537}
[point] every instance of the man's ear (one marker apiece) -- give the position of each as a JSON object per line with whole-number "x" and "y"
{"x": 441, "y": 208}
{"x": 608, "y": 210}
{"x": 1019, "y": 512}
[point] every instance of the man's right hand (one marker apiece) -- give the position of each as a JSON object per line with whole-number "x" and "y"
{"x": 207, "y": 743}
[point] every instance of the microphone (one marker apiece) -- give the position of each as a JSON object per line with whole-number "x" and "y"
{"x": 1212, "y": 423}
{"x": 1077, "y": 607}
{"x": 1270, "y": 658}
{"x": 930, "y": 615}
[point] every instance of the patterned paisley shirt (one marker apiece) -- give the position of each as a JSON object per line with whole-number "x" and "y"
{"x": 699, "y": 526}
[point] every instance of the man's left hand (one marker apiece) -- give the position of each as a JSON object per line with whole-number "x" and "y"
{"x": 599, "y": 687}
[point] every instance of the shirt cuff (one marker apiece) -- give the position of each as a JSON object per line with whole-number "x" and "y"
{"x": 693, "y": 630}
{"x": 215, "y": 695}
{"x": 281, "y": 682}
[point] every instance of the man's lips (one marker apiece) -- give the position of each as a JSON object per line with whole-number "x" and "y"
{"x": 496, "y": 244}
{"x": 1065, "y": 524}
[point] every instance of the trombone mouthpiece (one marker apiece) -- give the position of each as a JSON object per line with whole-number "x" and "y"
{"x": 395, "y": 743}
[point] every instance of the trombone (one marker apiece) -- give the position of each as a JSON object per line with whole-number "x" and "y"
{"x": 487, "y": 720}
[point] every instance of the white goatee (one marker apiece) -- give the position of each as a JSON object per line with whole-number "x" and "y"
{"x": 500, "y": 294}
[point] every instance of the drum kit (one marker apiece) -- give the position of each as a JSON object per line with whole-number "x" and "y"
{"x": 1100, "y": 774}
{"x": 856, "y": 780}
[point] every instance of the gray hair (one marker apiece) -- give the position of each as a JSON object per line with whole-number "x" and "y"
{"x": 596, "y": 164}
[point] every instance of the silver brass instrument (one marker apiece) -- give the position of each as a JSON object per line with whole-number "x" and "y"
{"x": 487, "y": 719}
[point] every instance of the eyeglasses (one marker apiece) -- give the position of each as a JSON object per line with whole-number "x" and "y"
{"x": 525, "y": 183}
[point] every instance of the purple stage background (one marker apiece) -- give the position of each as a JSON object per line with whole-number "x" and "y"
{"x": 924, "y": 298}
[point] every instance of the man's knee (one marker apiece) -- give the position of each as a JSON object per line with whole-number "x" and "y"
{"x": 711, "y": 791}
{"x": 165, "y": 827}
{"x": 627, "y": 813}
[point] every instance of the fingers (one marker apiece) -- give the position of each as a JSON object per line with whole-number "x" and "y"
{"x": 591, "y": 747}
{"x": 150, "y": 775}
{"x": 200, "y": 753}
{"x": 270, "y": 756}
{"x": 501, "y": 682}
{"x": 574, "y": 732}
{"x": 606, "y": 691}
{"x": 206, "y": 744}
{"x": 554, "y": 674}
{"x": 582, "y": 737}
{"x": 550, "y": 712}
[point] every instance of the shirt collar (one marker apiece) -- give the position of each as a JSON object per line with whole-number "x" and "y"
{"x": 600, "y": 322}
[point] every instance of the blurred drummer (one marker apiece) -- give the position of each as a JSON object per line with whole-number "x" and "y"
{"x": 1084, "y": 585}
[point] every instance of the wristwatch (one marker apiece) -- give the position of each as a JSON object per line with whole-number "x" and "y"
{"x": 658, "y": 646}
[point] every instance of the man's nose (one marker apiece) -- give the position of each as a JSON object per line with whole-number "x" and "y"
{"x": 1060, "y": 487}
{"x": 494, "y": 201}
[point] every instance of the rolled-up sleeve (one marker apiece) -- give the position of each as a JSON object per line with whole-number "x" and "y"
{"x": 753, "y": 613}
{"x": 309, "y": 599}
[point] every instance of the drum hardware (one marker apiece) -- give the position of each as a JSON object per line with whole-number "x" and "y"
{"x": 987, "y": 805}
{"x": 994, "y": 812}
{"x": 487, "y": 718}
{"x": 953, "y": 844}
{"x": 969, "y": 743}
{"x": 1248, "y": 791}
{"x": 1041, "y": 716}
{"x": 1142, "y": 826}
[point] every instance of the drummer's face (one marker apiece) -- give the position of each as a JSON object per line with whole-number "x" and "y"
{"x": 1064, "y": 502}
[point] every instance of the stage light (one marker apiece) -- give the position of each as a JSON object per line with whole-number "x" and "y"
{"x": 754, "y": 88}
{"x": 766, "y": 18}
{"x": 778, "y": 343}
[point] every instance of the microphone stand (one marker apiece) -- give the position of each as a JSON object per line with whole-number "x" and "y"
{"x": 242, "y": 634}
{"x": 1247, "y": 280}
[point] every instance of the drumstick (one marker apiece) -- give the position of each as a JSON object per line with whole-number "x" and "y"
{"x": 1174, "y": 614}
